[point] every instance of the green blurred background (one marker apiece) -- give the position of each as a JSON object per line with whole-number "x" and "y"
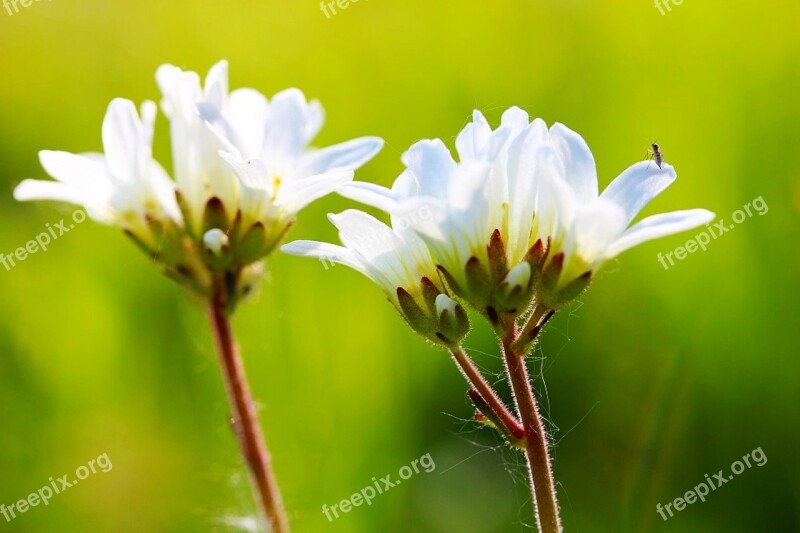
{"x": 655, "y": 379}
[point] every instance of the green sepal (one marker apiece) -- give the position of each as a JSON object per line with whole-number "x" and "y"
{"x": 575, "y": 288}
{"x": 429, "y": 294}
{"x": 497, "y": 256}
{"x": 214, "y": 216}
{"x": 479, "y": 283}
{"x": 451, "y": 282}
{"x": 419, "y": 320}
{"x": 251, "y": 246}
{"x": 453, "y": 327}
{"x": 186, "y": 213}
{"x": 536, "y": 257}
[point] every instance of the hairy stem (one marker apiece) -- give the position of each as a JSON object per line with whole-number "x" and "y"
{"x": 525, "y": 340}
{"x": 486, "y": 392}
{"x": 536, "y": 451}
{"x": 244, "y": 416}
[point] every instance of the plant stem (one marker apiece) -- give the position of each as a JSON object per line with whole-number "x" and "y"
{"x": 244, "y": 416}
{"x": 486, "y": 392}
{"x": 538, "y": 456}
{"x": 530, "y": 331}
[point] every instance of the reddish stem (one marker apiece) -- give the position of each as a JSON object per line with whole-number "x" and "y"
{"x": 245, "y": 419}
{"x": 536, "y": 450}
{"x": 486, "y": 392}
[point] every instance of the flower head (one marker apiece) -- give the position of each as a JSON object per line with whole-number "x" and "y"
{"x": 399, "y": 262}
{"x": 518, "y": 215}
{"x": 580, "y": 229}
{"x": 242, "y": 167}
{"x": 123, "y": 187}
{"x": 251, "y": 156}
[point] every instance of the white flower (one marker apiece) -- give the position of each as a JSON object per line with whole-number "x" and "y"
{"x": 522, "y": 193}
{"x": 242, "y": 169}
{"x": 482, "y": 213}
{"x": 252, "y": 153}
{"x": 585, "y": 229}
{"x": 451, "y": 192}
{"x": 124, "y": 186}
{"x": 199, "y": 172}
{"x": 390, "y": 258}
{"x": 400, "y": 264}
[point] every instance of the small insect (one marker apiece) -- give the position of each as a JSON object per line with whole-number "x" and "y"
{"x": 656, "y": 155}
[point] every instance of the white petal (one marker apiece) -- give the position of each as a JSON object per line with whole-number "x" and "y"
{"x": 555, "y": 200}
{"x": 148, "y": 111}
{"x": 465, "y": 143}
{"x": 216, "y": 88}
{"x": 253, "y": 173}
{"x": 497, "y": 142}
{"x": 180, "y": 91}
{"x": 406, "y": 184}
{"x": 325, "y": 252}
{"x": 515, "y": 118}
{"x": 373, "y": 195}
{"x": 522, "y": 185}
{"x": 96, "y": 204}
{"x": 577, "y": 160}
{"x": 427, "y": 217}
{"x": 391, "y": 261}
{"x": 315, "y": 118}
{"x": 432, "y": 165}
{"x": 255, "y": 194}
{"x": 224, "y": 129}
{"x": 299, "y": 193}
{"x": 660, "y": 225}
{"x": 49, "y": 190}
{"x": 596, "y": 225}
{"x": 123, "y": 141}
{"x": 472, "y": 140}
{"x": 468, "y": 183}
{"x": 163, "y": 189}
{"x": 72, "y": 169}
{"x": 365, "y": 234}
{"x": 291, "y": 120}
{"x": 637, "y": 185}
{"x": 249, "y": 113}
{"x": 348, "y": 155}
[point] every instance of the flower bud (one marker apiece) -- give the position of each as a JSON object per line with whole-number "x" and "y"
{"x": 514, "y": 292}
{"x": 434, "y": 315}
{"x": 216, "y": 248}
{"x": 453, "y": 320}
{"x": 216, "y": 242}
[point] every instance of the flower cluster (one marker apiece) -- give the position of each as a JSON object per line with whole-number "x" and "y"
{"x": 517, "y": 219}
{"x": 242, "y": 170}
